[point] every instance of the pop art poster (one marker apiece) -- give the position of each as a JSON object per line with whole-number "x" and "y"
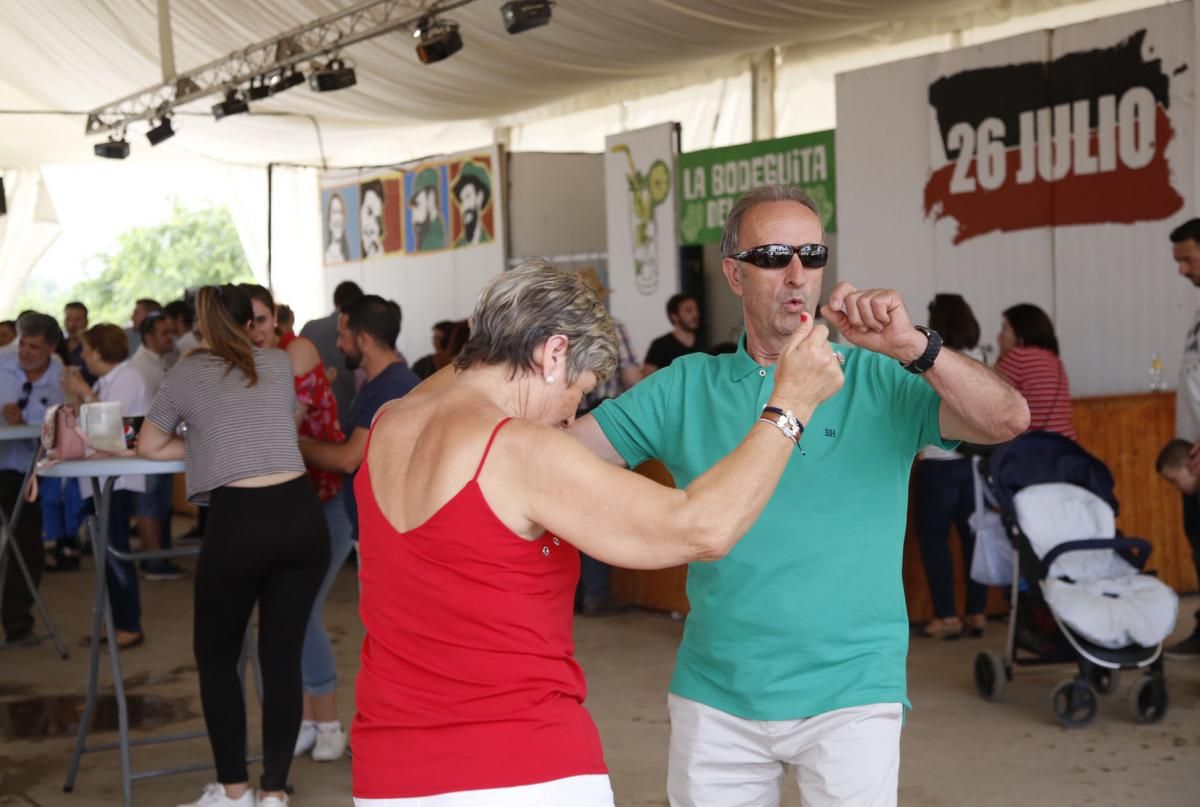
{"x": 427, "y": 209}
{"x": 380, "y": 228}
{"x": 340, "y": 228}
{"x": 472, "y": 220}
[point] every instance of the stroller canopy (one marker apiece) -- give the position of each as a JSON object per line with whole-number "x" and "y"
{"x": 1037, "y": 458}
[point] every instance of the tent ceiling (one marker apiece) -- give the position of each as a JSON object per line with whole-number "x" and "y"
{"x": 79, "y": 54}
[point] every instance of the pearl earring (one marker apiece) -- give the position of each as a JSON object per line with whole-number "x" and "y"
{"x": 549, "y": 379}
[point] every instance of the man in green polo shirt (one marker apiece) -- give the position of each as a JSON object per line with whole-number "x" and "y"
{"x": 794, "y": 651}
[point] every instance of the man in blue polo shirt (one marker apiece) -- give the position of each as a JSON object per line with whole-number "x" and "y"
{"x": 794, "y": 651}
{"x": 29, "y": 384}
{"x": 368, "y": 327}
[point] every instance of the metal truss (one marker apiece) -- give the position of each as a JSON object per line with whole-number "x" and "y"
{"x": 271, "y": 57}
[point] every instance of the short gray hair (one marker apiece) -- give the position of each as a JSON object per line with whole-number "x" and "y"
{"x": 521, "y": 309}
{"x": 754, "y": 197}
{"x": 43, "y": 325}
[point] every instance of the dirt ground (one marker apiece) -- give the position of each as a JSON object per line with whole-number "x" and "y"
{"x": 957, "y": 749}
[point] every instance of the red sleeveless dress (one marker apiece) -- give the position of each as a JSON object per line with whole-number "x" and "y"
{"x": 468, "y": 678}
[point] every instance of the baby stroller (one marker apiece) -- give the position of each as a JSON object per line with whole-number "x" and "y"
{"x": 1078, "y": 591}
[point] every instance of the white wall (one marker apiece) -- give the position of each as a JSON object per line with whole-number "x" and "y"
{"x": 1111, "y": 288}
{"x": 556, "y": 204}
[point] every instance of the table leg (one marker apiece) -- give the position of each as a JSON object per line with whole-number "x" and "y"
{"x": 7, "y": 541}
{"x": 99, "y": 603}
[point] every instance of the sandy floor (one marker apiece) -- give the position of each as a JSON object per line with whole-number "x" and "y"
{"x": 957, "y": 749}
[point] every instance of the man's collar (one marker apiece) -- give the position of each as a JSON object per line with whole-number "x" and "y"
{"x": 742, "y": 365}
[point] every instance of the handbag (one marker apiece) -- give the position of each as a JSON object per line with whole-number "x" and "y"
{"x": 62, "y": 438}
{"x": 992, "y": 561}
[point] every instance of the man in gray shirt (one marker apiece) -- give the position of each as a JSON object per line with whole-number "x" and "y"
{"x": 324, "y": 333}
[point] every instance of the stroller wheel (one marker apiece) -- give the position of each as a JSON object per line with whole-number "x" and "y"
{"x": 1106, "y": 681}
{"x": 1074, "y": 703}
{"x": 990, "y": 675}
{"x": 1148, "y": 699}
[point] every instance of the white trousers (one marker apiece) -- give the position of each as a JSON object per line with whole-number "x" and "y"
{"x": 592, "y": 790}
{"x": 848, "y": 757}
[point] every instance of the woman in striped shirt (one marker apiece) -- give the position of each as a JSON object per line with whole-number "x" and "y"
{"x": 1029, "y": 361}
{"x": 265, "y": 541}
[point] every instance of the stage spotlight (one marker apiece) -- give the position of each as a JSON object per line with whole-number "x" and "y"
{"x": 334, "y": 76}
{"x": 232, "y": 105}
{"x": 161, "y": 132}
{"x": 521, "y": 15}
{"x": 439, "y": 41}
{"x": 258, "y": 89}
{"x": 115, "y": 148}
{"x": 285, "y": 81}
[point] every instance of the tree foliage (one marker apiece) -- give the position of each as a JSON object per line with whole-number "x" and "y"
{"x": 192, "y": 248}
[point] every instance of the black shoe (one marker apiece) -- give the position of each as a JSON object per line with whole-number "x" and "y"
{"x": 21, "y": 637}
{"x": 1189, "y": 648}
{"x": 66, "y": 558}
{"x": 157, "y": 570}
{"x": 603, "y": 608}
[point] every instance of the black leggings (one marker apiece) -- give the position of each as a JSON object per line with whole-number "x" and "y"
{"x": 268, "y": 546}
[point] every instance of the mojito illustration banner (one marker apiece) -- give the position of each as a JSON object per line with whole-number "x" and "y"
{"x": 643, "y": 253}
{"x": 710, "y": 181}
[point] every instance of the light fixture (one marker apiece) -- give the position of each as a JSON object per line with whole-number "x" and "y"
{"x": 333, "y": 76}
{"x": 161, "y": 132}
{"x": 440, "y": 40}
{"x": 115, "y": 148}
{"x": 521, "y": 15}
{"x": 284, "y": 80}
{"x": 258, "y": 89}
{"x": 232, "y": 105}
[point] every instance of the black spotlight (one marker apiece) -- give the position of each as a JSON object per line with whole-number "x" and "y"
{"x": 115, "y": 148}
{"x": 334, "y": 76}
{"x": 232, "y": 105}
{"x": 521, "y": 15}
{"x": 285, "y": 81}
{"x": 161, "y": 132}
{"x": 438, "y": 42}
{"x": 258, "y": 89}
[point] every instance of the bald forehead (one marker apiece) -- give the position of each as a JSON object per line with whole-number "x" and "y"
{"x": 783, "y": 222}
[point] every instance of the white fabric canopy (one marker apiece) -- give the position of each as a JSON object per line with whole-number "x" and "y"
{"x": 27, "y": 230}
{"x": 78, "y": 54}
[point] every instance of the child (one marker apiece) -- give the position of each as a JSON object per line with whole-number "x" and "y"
{"x": 1172, "y": 465}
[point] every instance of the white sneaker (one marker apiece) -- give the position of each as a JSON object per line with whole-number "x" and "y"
{"x": 214, "y": 796}
{"x": 306, "y": 739}
{"x": 330, "y": 745}
{"x": 272, "y": 801}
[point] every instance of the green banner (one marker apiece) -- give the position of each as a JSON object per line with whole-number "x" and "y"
{"x": 710, "y": 181}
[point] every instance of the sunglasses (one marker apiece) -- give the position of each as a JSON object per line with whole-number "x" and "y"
{"x": 26, "y": 391}
{"x": 777, "y": 256}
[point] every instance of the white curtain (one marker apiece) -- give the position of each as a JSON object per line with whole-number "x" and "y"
{"x": 297, "y": 269}
{"x": 27, "y": 230}
{"x": 246, "y": 200}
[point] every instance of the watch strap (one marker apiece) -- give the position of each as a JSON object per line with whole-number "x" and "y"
{"x": 933, "y": 347}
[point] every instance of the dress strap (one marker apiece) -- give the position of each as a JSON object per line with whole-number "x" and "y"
{"x": 491, "y": 440}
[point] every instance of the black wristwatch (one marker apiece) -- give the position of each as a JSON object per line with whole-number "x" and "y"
{"x": 922, "y": 364}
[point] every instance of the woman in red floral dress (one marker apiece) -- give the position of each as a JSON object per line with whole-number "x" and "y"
{"x": 316, "y": 417}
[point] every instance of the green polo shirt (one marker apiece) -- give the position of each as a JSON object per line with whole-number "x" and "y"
{"x": 806, "y": 613}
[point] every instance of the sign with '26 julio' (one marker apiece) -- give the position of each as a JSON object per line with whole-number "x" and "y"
{"x": 1079, "y": 140}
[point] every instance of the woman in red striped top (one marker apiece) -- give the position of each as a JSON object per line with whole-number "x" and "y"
{"x": 1029, "y": 360}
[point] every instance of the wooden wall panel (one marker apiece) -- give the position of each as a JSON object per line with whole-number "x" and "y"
{"x": 1126, "y": 432}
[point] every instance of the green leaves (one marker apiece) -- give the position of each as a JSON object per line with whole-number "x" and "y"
{"x": 192, "y": 248}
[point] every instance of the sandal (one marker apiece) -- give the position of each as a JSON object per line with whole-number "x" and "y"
{"x": 949, "y": 628}
{"x": 125, "y": 642}
{"x": 975, "y": 625}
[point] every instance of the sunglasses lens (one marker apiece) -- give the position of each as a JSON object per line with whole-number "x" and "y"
{"x": 814, "y": 256}
{"x": 772, "y": 256}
